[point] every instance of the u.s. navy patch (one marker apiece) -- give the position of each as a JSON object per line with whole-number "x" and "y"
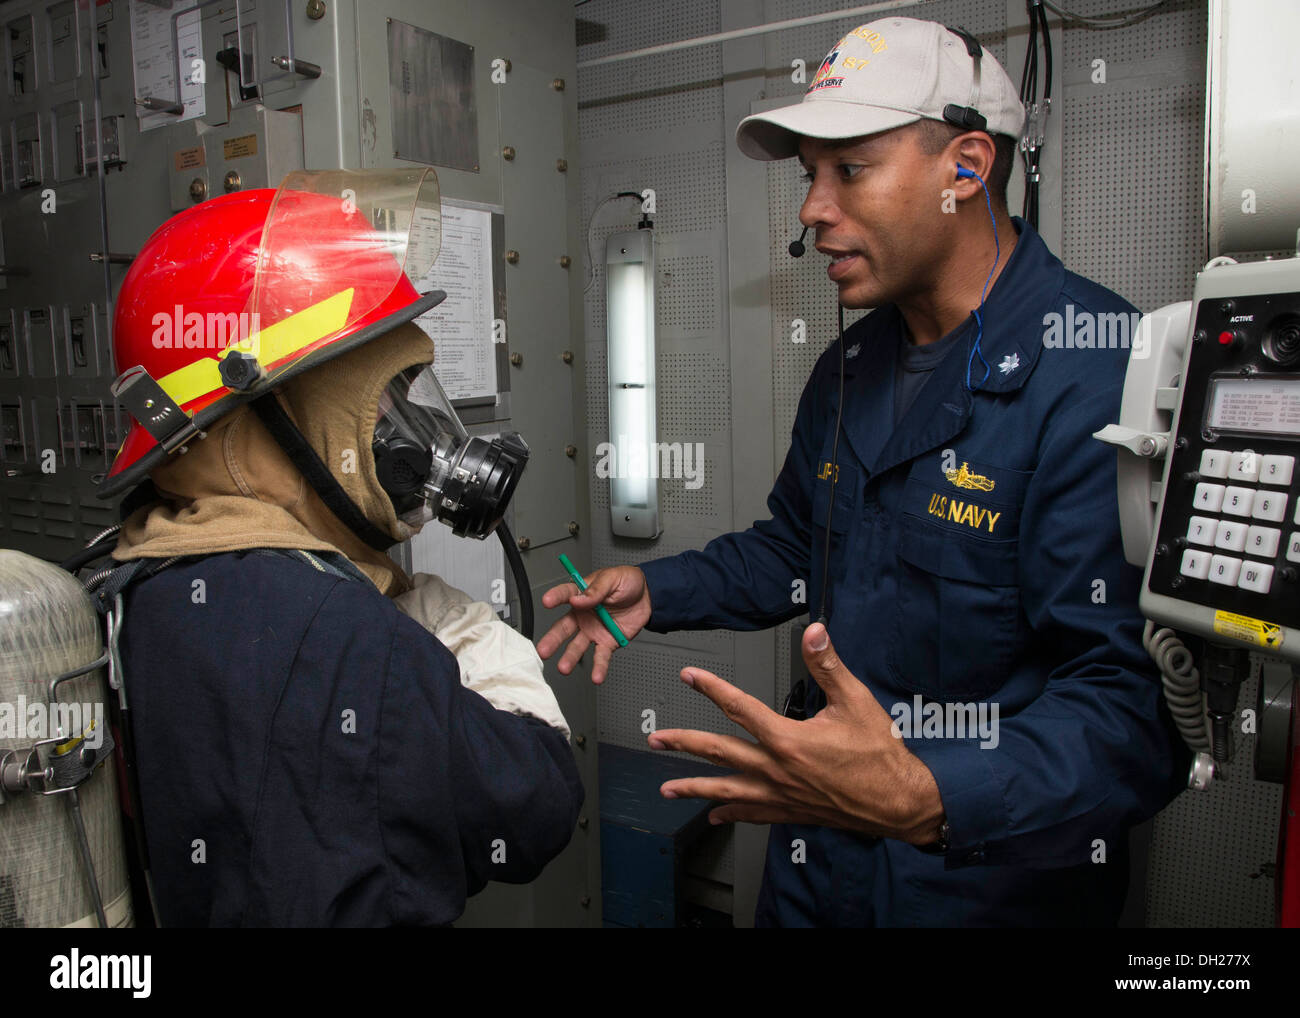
{"x": 954, "y": 510}
{"x": 967, "y": 495}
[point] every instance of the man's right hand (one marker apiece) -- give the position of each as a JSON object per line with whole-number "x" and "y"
{"x": 622, "y": 590}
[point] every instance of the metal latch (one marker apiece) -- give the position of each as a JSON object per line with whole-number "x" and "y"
{"x": 1149, "y": 445}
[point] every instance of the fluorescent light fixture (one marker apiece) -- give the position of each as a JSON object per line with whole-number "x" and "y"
{"x": 629, "y": 456}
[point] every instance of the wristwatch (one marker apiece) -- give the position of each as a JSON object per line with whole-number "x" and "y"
{"x": 939, "y": 847}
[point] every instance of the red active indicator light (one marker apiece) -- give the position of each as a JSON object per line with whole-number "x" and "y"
{"x": 1226, "y": 338}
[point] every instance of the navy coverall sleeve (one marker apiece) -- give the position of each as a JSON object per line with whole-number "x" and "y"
{"x": 756, "y": 578}
{"x": 512, "y": 785}
{"x": 1085, "y": 759}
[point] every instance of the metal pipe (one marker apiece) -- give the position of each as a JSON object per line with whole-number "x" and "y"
{"x": 160, "y": 105}
{"x": 294, "y": 66}
{"x": 83, "y": 844}
{"x": 741, "y": 33}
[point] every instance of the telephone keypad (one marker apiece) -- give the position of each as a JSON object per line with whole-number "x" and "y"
{"x": 1227, "y": 541}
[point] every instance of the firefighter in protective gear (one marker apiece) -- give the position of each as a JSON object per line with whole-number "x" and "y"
{"x": 310, "y": 751}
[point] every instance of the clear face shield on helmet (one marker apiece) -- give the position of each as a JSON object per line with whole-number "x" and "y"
{"x": 426, "y": 462}
{"x": 432, "y": 468}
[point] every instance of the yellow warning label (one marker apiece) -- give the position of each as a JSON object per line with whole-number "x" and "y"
{"x": 237, "y": 148}
{"x": 189, "y": 158}
{"x": 1243, "y": 627}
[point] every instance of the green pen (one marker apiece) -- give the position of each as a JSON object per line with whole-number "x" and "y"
{"x": 601, "y": 613}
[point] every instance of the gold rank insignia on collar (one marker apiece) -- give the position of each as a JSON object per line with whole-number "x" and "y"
{"x": 963, "y": 478}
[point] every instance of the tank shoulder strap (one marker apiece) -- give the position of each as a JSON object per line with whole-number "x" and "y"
{"x": 105, "y": 591}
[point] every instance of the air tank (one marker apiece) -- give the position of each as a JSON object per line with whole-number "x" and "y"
{"x": 48, "y": 628}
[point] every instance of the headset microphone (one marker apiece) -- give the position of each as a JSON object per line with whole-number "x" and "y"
{"x": 796, "y": 246}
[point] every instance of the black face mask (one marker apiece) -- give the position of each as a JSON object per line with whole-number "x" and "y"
{"x": 432, "y": 468}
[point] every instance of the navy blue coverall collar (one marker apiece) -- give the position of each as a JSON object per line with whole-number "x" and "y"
{"x": 1011, "y": 344}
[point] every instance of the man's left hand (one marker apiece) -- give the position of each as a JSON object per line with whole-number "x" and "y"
{"x": 842, "y": 768}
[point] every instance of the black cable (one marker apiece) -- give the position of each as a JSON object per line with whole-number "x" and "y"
{"x": 822, "y": 614}
{"x": 591, "y": 261}
{"x": 1031, "y": 143}
{"x": 1027, "y": 96}
{"x": 1047, "y": 52}
{"x": 521, "y": 579}
{"x": 87, "y": 555}
{"x": 1030, "y": 54}
{"x": 1031, "y": 58}
{"x": 1046, "y": 106}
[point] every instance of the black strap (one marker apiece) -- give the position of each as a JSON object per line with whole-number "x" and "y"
{"x": 119, "y": 578}
{"x": 318, "y": 475}
{"x": 972, "y": 44}
{"x": 142, "y": 569}
{"x": 968, "y": 118}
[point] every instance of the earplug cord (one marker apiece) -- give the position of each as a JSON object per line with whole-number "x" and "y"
{"x": 823, "y": 613}
{"x": 979, "y": 317}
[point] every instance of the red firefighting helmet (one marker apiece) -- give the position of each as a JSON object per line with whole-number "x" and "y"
{"x": 235, "y": 296}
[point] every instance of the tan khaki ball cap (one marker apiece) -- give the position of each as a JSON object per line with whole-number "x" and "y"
{"x": 886, "y": 74}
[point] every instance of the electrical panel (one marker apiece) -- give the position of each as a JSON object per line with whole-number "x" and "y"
{"x": 116, "y": 114}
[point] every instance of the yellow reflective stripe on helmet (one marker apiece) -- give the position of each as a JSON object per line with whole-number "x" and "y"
{"x": 290, "y": 335}
{"x": 274, "y": 343}
{"x": 192, "y": 381}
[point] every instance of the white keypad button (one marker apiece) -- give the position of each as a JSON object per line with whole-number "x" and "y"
{"x": 1238, "y": 501}
{"x": 1297, "y": 511}
{"x": 1201, "y": 530}
{"x": 1231, "y": 536}
{"x": 1262, "y": 541}
{"x": 1214, "y": 463}
{"x": 1225, "y": 570}
{"x": 1270, "y": 505}
{"x": 1274, "y": 469}
{"x": 1293, "y": 549}
{"x": 1256, "y": 576}
{"x": 1243, "y": 466}
{"x": 1210, "y": 497}
{"x": 1196, "y": 564}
